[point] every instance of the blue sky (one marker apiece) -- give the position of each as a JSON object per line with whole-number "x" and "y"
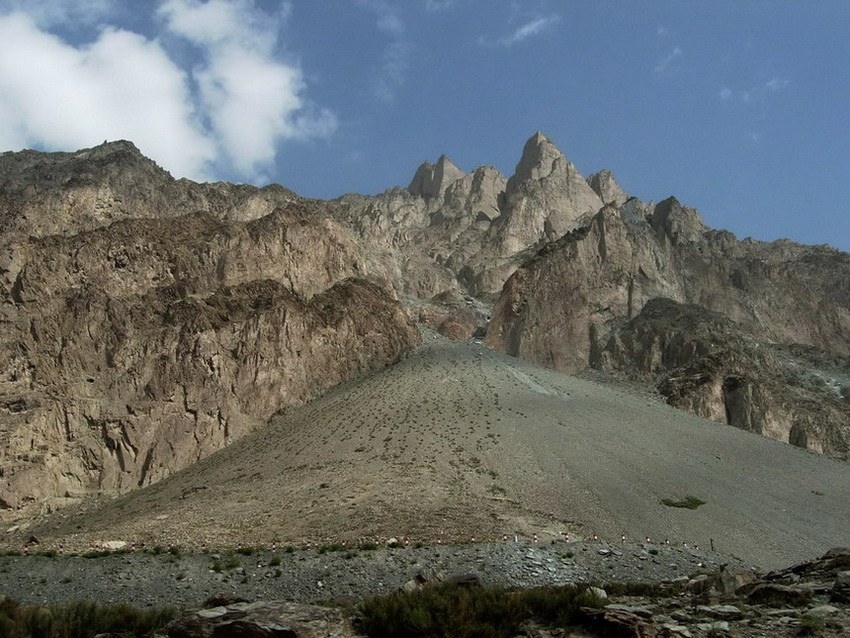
{"x": 738, "y": 108}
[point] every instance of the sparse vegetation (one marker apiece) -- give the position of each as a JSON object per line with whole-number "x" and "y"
{"x": 79, "y": 620}
{"x": 457, "y": 610}
{"x": 689, "y": 502}
{"x": 810, "y": 626}
{"x": 275, "y": 561}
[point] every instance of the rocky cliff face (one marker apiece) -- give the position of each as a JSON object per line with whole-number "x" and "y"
{"x": 708, "y": 365}
{"x": 568, "y": 308}
{"x": 139, "y": 337}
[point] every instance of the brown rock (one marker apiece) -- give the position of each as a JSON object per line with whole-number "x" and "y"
{"x": 618, "y": 623}
{"x": 716, "y": 321}
{"x": 776, "y": 595}
{"x": 158, "y": 336}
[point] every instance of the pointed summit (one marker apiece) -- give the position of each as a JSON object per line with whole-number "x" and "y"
{"x": 432, "y": 180}
{"x": 539, "y": 156}
{"x": 545, "y": 198}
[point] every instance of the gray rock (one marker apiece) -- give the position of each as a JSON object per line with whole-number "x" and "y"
{"x": 840, "y": 592}
{"x": 722, "y": 612}
{"x": 263, "y": 620}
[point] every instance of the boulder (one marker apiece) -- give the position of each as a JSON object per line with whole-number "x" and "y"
{"x": 263, "y": 620}
{"x": 840, "y": 592}
{"x": 617, "y": 622}
{"x": 776, "y": 595}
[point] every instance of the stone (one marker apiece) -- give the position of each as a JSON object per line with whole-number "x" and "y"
{"x": 840, "y": 592}
{"x": 643, "y": 612}
{"x": 823, "y": 611}
{"x": 676, "y": 630}
{"x": 615, "y": 622}
{"x": 722, "y": 612}
{"x": 263, "y": 620}
{"x": 720, "y": 625}
{"x": 776, "y": 595}
{"x": 223, "y": 599}
{"x": 730, "y": 579}
{"x": 598, "y": 592}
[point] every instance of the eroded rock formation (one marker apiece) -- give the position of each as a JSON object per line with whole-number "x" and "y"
{"x": 566, "y": 308}
{"x": 139, "y": 339}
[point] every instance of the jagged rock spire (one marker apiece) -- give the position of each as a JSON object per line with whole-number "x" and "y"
{"x": 432, "y": 180}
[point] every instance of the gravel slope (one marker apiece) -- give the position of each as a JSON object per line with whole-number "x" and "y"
{"x": 460, "y": 441}
{"x": 145, "y": 579}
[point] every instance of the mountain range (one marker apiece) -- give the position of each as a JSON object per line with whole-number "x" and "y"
{"x": 151, "y": 322}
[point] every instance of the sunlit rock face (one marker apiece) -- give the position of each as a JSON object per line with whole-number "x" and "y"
{"x": 149, "y": 322}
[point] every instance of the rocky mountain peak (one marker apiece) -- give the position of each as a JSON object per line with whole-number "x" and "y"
{"x": 539, "y": 157}
{"x": 607, "y": 188}
{"x": 681, "y": 224}
{"x": 432, "y": 180}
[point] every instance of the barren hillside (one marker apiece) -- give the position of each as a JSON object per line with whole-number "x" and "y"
{"x": 460, "y": 441}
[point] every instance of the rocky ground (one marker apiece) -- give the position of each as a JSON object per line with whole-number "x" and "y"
{"x": 315, "y": 575}
{"x": 701, "y": 594}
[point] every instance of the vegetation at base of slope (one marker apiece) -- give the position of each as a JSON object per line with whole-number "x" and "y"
{"x": 457, "y": 609}
{"x": 689, "y": 502}
{"x": 82, "y": 619}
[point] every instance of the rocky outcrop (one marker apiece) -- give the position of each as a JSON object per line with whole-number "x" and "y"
{"x": 465, "y": 233}
{"x": 706, "y": 364}
{"x": 44, "y": 194}
{"x": 261, "y": 620}
{"x": 566, "y": 307}
{"x": 607, "y": 188}
{"x": 545, "y": 198}
{"x": 134, "y": 348}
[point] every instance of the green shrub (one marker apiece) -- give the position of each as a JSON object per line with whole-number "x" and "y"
{"x": 458, "y": 610}
{"x": 245, "y": 551}
{"x": 232, "y": 562}
{"x": 689, "y": 502}
{"x": 810, "y": 626}
{"x": 367, "y": 546}
{"x": 79, "y": 620}
{"x": 275, "y": 561}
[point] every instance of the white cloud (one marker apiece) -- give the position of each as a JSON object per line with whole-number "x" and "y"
{"x": 391, "y": 24}
{"x": 529, "y": 29}
{"x": 48, "y": 13}
{"x": 756, "y": 93}
{"x": 667, "y": 61}
{"x": 661, "y": 31}
{"x": 56, "y": 96}
{"x": 252, "y": 100}
{"x": 438, "y": 5}
{"x": 776, "y": 83}
{"x": 396, "y": 56}
{"x": 229, "y": 112}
